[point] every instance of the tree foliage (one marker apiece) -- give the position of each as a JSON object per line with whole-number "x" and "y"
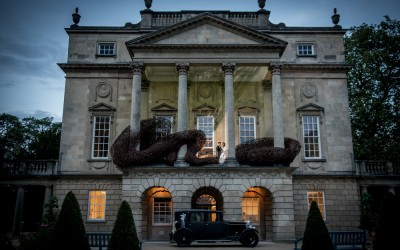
{"x": 316, "y": 235}
{"x": 29, "y": 138}
{"x": 374, "y": 89}
{"x": 124, "y": 236}
{"x": 69, "y": 230}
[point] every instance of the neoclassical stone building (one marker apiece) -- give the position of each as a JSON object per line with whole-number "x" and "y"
{"x": 237, "y": 77}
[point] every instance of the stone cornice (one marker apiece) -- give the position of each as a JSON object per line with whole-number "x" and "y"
{"x": 329, "y": 67}
{"x": 71, "y": 67}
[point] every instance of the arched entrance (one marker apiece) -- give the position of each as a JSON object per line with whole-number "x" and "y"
{"x": 257, "y": 208}
{"x": 207, "y": 198}
{"x": 158, "y": 215}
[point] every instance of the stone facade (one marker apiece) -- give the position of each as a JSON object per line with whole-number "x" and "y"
{"x": 225, "y": 65}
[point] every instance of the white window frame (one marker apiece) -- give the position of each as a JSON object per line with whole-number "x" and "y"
{"x": 208, "y": 125}
{"x": 100, "y": 49}
{"x": 95, "y": 129}
{"x": 96, "y": 208}
{"x": 307, "y": 146}
{"x": 255, "y": 205}
{"x": 319, "y": 197}
{"x": 166, "y": 205}
{"x": 303, "y": 50}
{"x": 242, "y": 128}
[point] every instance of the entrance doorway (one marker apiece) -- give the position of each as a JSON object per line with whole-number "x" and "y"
{"x": 207, "y": 198}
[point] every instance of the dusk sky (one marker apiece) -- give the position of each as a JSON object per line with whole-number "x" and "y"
{"x": 33, "y": 39}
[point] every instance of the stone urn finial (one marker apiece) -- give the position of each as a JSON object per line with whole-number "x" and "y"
{"x": 335, "y": 17}
{"x": 148, "y": 3}
{"x": 261, "y": 4}
{"x": 76, "y": 17}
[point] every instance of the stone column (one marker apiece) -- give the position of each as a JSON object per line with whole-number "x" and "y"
{"x": 18, "y": 212}
{"x": 277, "y": 105}
{"x": 47, "y": 194}
{"x": 229, "y": 69}
{"x": 138, "y": 69}
{"x": 183, "y": 70}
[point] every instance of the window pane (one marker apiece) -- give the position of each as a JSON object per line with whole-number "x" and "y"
{"x": 101, "y": 134}
{"x": 206, "y": 124}
{"x": 247, "y": 128}
{"x": 318, "y": 197}
{"x": 97, "y": 205}
{"x": 311, "y": 137}
{"x": 250, "y": 209}
{"x": 162, "y": 211}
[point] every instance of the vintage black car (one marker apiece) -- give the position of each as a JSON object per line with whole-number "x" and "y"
{"x": 208, "y": 226}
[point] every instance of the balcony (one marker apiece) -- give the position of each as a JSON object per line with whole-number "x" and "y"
{"x": 377, "y": 168}
{"x": 28, "y": 168}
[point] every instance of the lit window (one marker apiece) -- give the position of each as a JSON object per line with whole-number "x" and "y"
{"x": 311, "y": 137}
{"x": 165, "y": 129}
{"x": 305, "y": 49}
{"x": 162, "y": 211}
{"x": 206, "y": 124}
{"x": 97, "y": 205}
{"x": 318, "y": 197}
{"x": 101, "y": 137}
{"x": 106, "y": 49}
{"x": 247, "y": 128}
{"x": 251, "y": 209}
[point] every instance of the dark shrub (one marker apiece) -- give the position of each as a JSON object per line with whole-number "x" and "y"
{"x": 387, "y": 228}
{"x": 5, "y": 242}
{"x": 316, "y": 235}
{"x": 69, "y": 230}
{"x": 124, "y": 236}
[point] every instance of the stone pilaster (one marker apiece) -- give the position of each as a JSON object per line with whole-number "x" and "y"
{"x": 229, "y": 69}
{"x": 18, "y": 212}
{"x": 138, "y": 68}
{"x": 277, "y": 105}
{"x": 183, "y": 71}
{"x": 47, "y": 194}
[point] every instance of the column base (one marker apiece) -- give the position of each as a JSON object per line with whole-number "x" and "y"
{"x": 181, "y": 164}
{"x": 231, "y": 162}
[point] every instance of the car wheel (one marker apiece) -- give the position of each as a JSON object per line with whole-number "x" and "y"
{"x": 183, "y": 238}
{"x": 249, "y": 239}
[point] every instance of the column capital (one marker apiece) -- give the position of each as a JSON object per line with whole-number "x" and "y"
{"x": 276, "y": 67}
{"x": 228, "y": 68}
{"x": 182, "y": 68}
{"x": 137, "y": 67}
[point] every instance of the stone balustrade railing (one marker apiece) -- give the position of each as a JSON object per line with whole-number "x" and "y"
{"x": 379, "y": 167}
{"x": 28, "y": 168}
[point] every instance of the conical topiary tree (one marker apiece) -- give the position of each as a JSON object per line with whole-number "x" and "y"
{"x": 316, "y": 235}
{"x": 69, "y": 230}
{"x": 124, "y": 236}
{"x": 387, "y": 228}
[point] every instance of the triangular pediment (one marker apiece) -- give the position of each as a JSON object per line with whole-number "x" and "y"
{"x": 101, "y": 107}
{"x": 205, "y": 108}
{"x": 206, "y": 31}
{"x": 311, "y": 107}
{"x": 164, "y": 108}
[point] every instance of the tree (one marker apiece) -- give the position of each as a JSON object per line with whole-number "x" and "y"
{"x": 124, "y": 236}
{"x": 374, "y": 89}
{"x": 29, "y": 138}
{"x": 387, "y": 228}
{"x": 69, "y": 230}
{"x": 11, "y": 137}
{"x": 316, "y": 235}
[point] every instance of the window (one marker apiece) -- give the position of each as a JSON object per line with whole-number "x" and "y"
{"x": 247, "y": 128}
{"x": 162, "y": 130}
{"x": 251, "y": 209}
{"x": 97, "y": 205}
{"x": 101, "y": 137}
{"x": 106, "y": 49}
{"x": 162, "y": 211}
{"x": 206, "y": 124}
{"x": 311, "y": 137}
{"x": 318, "y": 197}
{"x": 305, "y": 49}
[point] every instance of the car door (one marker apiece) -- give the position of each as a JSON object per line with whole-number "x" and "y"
{"x": 197, "y": 224}
{"x": 214, "y": 227}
